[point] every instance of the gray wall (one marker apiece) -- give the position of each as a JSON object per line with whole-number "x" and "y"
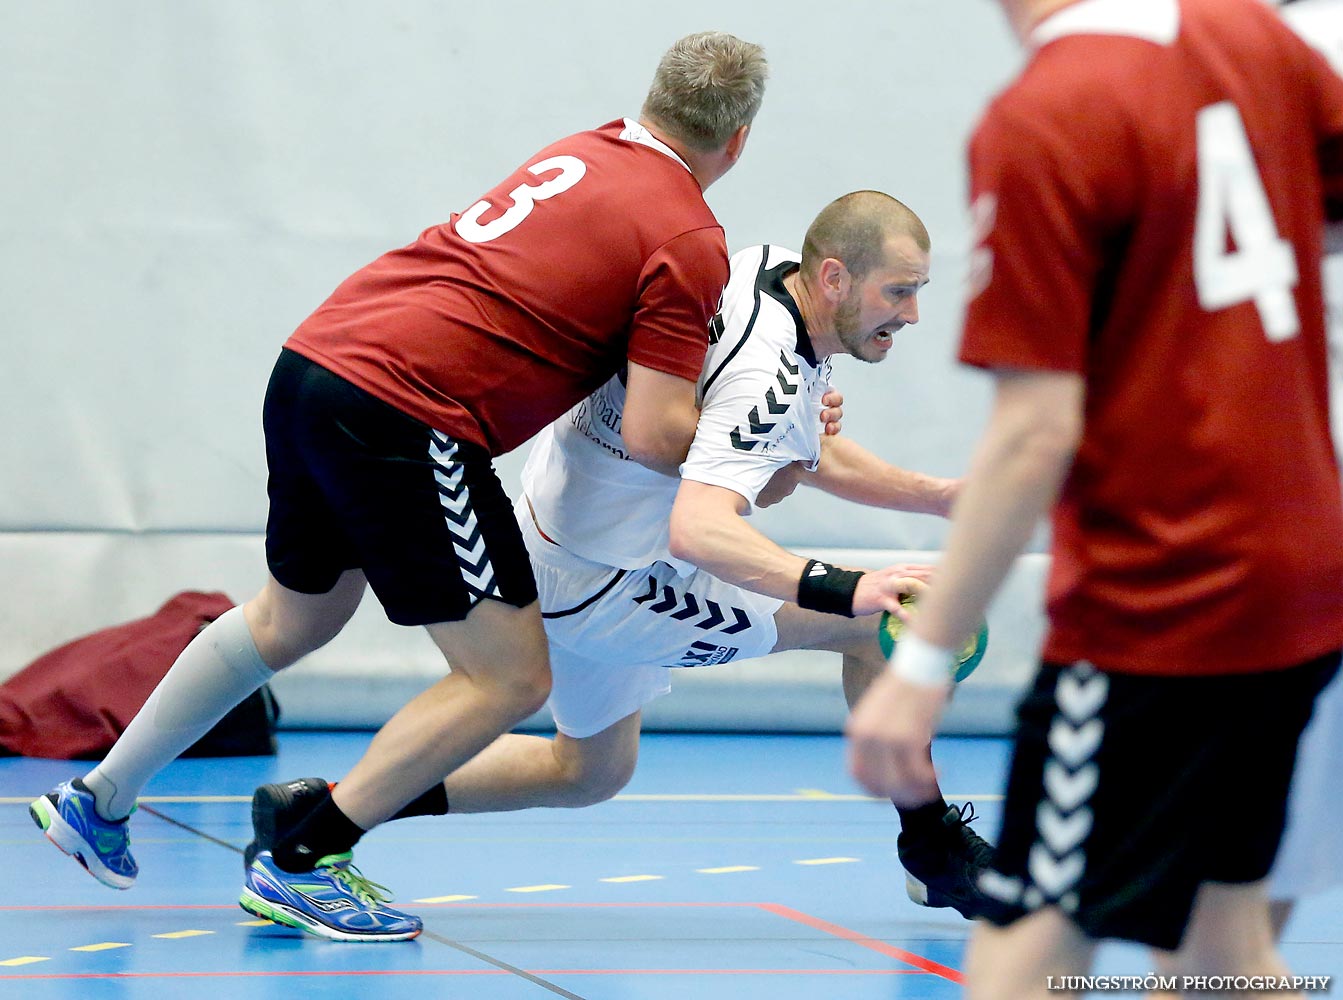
{"x": 185, "y": 181}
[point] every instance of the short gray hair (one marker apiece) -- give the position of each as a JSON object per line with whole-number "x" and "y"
{"x": 706, "y": 87}
{"x": 854, "y": 228}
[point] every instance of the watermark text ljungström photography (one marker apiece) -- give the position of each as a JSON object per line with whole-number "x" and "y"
{"x": 1193, "y": 984}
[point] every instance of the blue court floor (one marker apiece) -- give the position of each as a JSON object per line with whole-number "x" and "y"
{"x": 732, "y": 866}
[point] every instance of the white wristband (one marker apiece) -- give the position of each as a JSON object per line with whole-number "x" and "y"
{"x": 920, "y": 662}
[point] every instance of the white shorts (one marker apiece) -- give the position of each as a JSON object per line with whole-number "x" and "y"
{"x": 1311, "y": 857}
{"x": 615, "y": 633}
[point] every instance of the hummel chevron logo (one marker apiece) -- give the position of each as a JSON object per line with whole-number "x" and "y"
{"x": 1005, "y": 888}
{"x": 773, "y": 405}
{"x": 756, "y": 426}
{"x": 743, "y": 622}
{"x": 1075, "y": 745}
{"x": 1055, "y": 876}
{"x": 1081, "y": 697}
{"x": 686, "y": 606}
{"x": 1059, "y": 833}
{"x": 1067, "y": 790}
{"x": 454, "y": 499}
{"x": 690, "y": 610}
{"x": 714, "y": 619}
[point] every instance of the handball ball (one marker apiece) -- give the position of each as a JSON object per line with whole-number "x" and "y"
{"x": 891, "y": 628}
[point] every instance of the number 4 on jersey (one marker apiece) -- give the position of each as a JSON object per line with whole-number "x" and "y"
{"x": 1261, "y": 267}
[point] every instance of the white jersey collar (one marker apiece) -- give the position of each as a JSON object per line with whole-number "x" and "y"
{"x": 1154, "y": 20}
{"x": 634, "y": 132}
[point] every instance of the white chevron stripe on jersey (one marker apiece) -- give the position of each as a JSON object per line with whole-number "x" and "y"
{"x": 467, "y": 539}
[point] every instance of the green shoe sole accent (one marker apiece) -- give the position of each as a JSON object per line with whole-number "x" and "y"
{"x": 260, "y": 908}
{"x": 40, "y": 813}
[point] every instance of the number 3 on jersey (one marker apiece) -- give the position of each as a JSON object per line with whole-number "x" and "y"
{"x": 525, "y": 196}
{"x": 1231, "y": 198}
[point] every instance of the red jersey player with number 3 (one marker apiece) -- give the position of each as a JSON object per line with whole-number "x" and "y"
{"x": 382, "y": 417}
{"x": 1149, "y": 196}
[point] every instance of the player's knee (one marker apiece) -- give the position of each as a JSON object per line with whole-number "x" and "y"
{"x": 526, "y": 689}
{"x": 592, "y": 782}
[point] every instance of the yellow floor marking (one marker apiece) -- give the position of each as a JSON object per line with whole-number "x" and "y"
{"x": 818, "y": 793}
{"x": 105, "y": 946}
{"x": 255, "y": 923}
{"x": 726, "y": 870}
{"x": 174, "y": 935}
{"x": 826, "y": 861}
{"x": 792, "y": 797}
{"x": 538, "y": 888}
{"x": 443, "y": 899}
{"x": 633, "y": 878}
{"x": 802, "y": 795}
{"x": 25, "y": 960}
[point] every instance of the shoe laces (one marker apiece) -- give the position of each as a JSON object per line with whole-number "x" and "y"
{"x": 364, "y": 889}
{"x": 977, "y": 848}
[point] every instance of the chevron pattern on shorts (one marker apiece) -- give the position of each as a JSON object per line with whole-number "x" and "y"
{"x": 1063, "y": 818}
{"x": 661, "y": 599}
{"x": 467, "y": 539}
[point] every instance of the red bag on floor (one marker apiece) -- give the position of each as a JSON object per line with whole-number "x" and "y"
{"x": 74, "y": 701}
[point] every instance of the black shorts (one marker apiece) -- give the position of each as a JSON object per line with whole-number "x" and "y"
{"x": 1127, "y": 792}
{"x": 357, "y": 484}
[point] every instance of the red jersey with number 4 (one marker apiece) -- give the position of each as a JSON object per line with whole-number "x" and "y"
{"x": 1149, "y": 197}
{"x": 600, "y": 248}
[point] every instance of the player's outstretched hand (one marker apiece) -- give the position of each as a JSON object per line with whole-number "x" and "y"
{"x": 881, "y": 589}
{"x": 889, "y": 732}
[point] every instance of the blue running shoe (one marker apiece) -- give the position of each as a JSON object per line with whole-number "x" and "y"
{"x": 67, "y": 816}
{"x": 334, "y": 901}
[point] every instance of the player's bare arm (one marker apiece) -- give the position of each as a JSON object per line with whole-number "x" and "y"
{"x": 659, "y": 419}
{"x": 850, "y": 471}
{"x": 708, "y": 529}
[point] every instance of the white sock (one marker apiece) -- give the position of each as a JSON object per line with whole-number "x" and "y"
{"x": 215, "y": 672}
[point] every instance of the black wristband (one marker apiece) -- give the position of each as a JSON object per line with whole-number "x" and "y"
{"x": 826, "y": 588}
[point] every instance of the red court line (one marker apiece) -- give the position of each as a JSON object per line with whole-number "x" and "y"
{"x": 292, "y": 973}
{"x": 908, "y": 957}
{"x": 463, "y": 905}
{"x": 919, "y": 962}
{"x": 98, "y": 908}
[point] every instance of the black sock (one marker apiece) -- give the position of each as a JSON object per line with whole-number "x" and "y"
{"x": 432, "y": 803}
{"x": 326, "y": 830}
{"x": 924, "y": 817}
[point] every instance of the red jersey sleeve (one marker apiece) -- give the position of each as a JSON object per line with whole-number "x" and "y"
{"x": 1037, "y": 257}
{"x": 678, "y": 295}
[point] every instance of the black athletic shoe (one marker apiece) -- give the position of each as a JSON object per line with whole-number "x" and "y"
{"x": 942, "y": 864}
{"x": 277, "y": 809}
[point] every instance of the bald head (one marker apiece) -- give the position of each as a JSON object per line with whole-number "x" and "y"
{"x": 855, "y": 229}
